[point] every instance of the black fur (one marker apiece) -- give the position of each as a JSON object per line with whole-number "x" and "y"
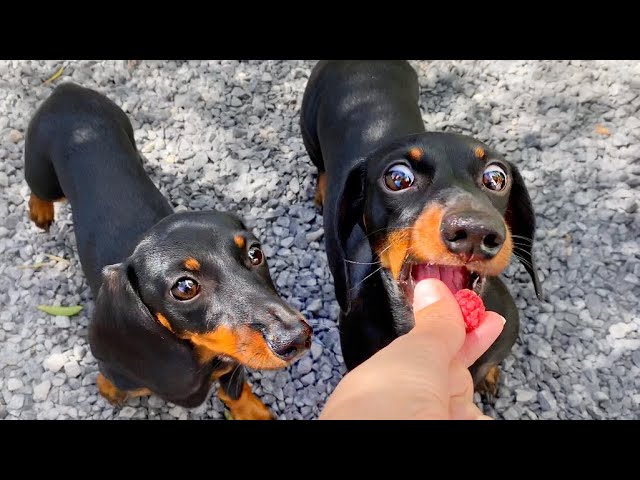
{"x": 358, "y": 118}
{"x": 132, "y": 248}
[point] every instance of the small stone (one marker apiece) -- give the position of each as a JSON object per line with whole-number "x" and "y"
{"x": 595, "y": 412}
{"x": 316, "y": 350}
{"x": 300, "y": 241}
{"x": 635, "y": 357}
{"x": 72, "y": 369}
{"x": 304, "y": 366}
{"x": 16, "y": 402}
{"x": 178, "y": 412}
{"x": 127, "y": 412}
{"x": 619, "y": 330}
{"x": 15, "y": 136}
{"x": 283, "y": 222}
{"x": 155, "y": 402}
{"x": 308, "y": 379}
{"x": 547, "y": 401}
{"x": 61, "y": 322}
{"x": 511, "y": 413}
{"x": 14, "y": 384}
{"x": 313, "y": 236}
{"x": 524, "y": 396}
{"x": 315, "y": 305}
{"x": 294, "y": 185}
{"x": 574, "y": 400}
{"x": 54, "y": 362}
{"x": 287, "y": 242}
{"x": 41, "y": 391}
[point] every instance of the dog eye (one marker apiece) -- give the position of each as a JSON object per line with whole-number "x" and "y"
{"x": 255, "y": 255}
{"x": 494, "y": 178}
{"x": 185, "y": 289}
{"x": 398, "y": 177}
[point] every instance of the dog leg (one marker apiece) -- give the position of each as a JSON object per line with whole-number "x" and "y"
{"x": 109, "y": 391}
{"x": 489, "y": 384}
{"x": 114, "y": 395}
{"x": 247, "y": 406}
{"x": 321, "y": 187}
{"x": 41, "y": 211}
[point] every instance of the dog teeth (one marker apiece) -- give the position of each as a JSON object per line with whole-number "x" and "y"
{"x": 476, "y": 285}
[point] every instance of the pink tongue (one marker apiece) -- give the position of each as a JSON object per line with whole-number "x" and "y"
{"x": 456, "y": 278}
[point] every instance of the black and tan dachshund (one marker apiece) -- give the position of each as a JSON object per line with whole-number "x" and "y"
{"x": 401, "y": 204}
{"x": 181, "y": 299}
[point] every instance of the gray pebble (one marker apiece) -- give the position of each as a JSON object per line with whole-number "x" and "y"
{"x": 41, "y": 391}
{"x": 524, "y": 396}
{"x": 304, "y": 365}
{"x": 546, "y": 400}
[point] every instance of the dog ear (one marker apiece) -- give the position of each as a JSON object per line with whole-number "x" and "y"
{"x": 125, "y": 336}
{"x": 346, "y": 237}
{"x": 521, "y": 219}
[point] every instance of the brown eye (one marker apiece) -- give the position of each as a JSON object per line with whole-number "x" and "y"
{"x": 185, "y": 289}
{"x": 255, "y": 256}
{"x": 398, "y": 177}
{"x": 494, "y": 178}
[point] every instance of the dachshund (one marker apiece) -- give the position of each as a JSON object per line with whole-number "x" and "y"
{"x": 181, "y": 299}
{"x": 401, "y": 204}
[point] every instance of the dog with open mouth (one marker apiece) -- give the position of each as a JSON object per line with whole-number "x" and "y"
{"x": 182, "y": 299}
{"x": 401, "y": 204}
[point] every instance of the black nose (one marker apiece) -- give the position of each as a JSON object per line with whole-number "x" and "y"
{"x": 293, "y": 343}
{"x": 475, "y": 235}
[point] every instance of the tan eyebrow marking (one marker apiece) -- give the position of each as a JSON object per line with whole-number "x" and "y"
{"x": 239, "y": 241}
{"x": 192, "y": 264}
{"x": 415, "y": 154}
{"x": 480, "y": 153}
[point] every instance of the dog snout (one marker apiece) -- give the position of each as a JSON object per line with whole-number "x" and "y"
{"x": 289, "y": 336}
{"x": 473, "y": 235}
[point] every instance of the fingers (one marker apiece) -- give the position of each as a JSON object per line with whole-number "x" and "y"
{"x": 461, "y": 406}
{"x": 462, "y": 409}
{"x": 437, "y": 316}
{"x": 479, "y": 340}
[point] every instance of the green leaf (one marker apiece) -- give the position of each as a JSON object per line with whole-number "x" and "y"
{"x": 227, "y": 414}
{"x": 63, "y": 311}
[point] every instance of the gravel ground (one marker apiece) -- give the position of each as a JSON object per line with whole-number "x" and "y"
{"x": 225, "y": 135}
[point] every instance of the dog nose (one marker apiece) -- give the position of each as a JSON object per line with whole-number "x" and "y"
{"x": 475, "y": 235}
{"x": 293, "y": 342}
{"x": 292, "y": 347}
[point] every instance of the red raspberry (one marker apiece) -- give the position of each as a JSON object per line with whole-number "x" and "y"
{"x": 472, "y": 308}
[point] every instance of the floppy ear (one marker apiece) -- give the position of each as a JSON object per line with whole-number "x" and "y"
{"x": 127, "y": 338}
{"x": 346, "y": 237}
{"x": 521, "y": 219}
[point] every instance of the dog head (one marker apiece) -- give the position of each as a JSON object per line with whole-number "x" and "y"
{"x": 438, "y": 205}
{"x": 196, "y": 288}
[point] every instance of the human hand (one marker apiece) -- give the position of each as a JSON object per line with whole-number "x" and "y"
{"x": 422, "y": 374}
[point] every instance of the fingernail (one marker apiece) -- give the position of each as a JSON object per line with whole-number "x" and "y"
{"x": 502, "y": 320}
{"x": 427, "y": 292}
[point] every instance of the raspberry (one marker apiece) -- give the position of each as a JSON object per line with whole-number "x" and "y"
{"x": 472, "y": 308}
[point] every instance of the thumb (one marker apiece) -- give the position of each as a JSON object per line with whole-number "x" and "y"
{"x": 437, "y": 315}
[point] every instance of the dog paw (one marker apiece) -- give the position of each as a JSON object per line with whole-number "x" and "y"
{"x": 40, "y": 212}
{"x": 110, "y": 392}
{"x": 489, "y": 384}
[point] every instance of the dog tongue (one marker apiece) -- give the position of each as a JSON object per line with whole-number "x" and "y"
{"x": 456, "y": 278}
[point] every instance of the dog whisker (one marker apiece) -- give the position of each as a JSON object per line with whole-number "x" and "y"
{"x": 361, "y": 263}
{"x": 523, "y": 260}
{"x": 365, "y": 278}
{"x": 520, "y": 237}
